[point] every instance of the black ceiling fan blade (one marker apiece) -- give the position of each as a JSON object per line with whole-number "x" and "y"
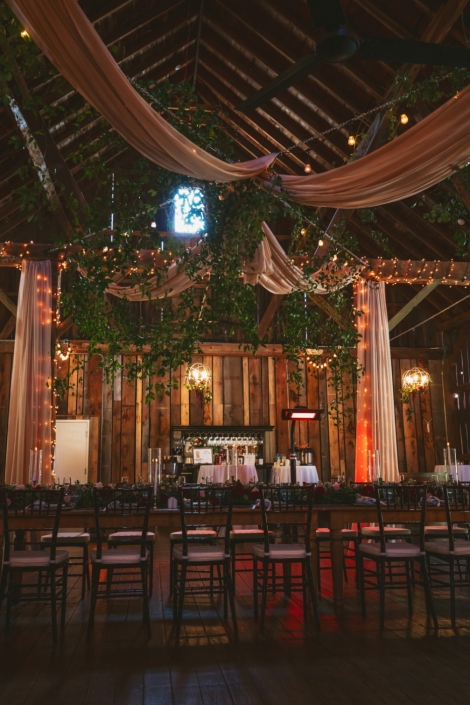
{"x": 287, "y": 78}
{"x": 404, "y": 51}
{"x": 327, "y": 13}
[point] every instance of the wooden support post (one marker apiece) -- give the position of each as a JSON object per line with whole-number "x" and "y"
{"x": 268, "y": 316}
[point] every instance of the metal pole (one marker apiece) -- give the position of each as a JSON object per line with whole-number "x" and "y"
{"x": 293, "y": 470}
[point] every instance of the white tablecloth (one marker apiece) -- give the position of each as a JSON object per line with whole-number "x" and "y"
{"x": 221, "y": 473}
{"x": 463, "y": 471}
{"x": 304, "y": 473}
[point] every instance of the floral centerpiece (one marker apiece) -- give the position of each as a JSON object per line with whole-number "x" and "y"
{"x": 335, "y": 493}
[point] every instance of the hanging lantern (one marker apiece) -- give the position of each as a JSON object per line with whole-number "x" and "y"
{"x": 63, "y": 350}
{"x": 198, "y": 379}
{"x": 413, "y": 381}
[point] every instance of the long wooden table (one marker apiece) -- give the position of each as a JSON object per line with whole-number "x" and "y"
{"x": 334, "y": 517}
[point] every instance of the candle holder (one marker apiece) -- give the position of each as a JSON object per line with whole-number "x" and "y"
{"x": 450, "y": 463}
{"x": 155, "y": 469}
{"x": 35, "y": 467}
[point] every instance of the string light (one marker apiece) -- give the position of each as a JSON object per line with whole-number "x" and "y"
{"x": 308, "y": 168}
{"x": 404, "y": 118}
{"x": 351, "y": 140}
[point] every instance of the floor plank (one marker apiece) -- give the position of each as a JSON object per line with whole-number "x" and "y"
{"x": 349, "y": 663}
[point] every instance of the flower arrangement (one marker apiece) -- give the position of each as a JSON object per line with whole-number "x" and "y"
{"x": 334, "y": 493}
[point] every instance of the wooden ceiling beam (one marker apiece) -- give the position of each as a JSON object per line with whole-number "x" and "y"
{"x": 136, "y": 21}
{"x": 249, "y": 129}
{"x": 455, "y": 322}
{"x": 249, "y": 78}
{"x": 385, "y": 19}
{"x": 415, "y": 301}
{"x": 272, "y": 121}
{"x": 420, "y": 271}
{"x": 279, "y": 142}
{"x": 268, "y": 316}
{"x": 280, "y": 53}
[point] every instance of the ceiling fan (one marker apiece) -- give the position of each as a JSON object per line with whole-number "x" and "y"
{"x": 341, "y": 43}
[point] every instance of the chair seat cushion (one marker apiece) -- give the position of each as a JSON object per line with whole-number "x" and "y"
{"x": 130, "y": 535}
{"x": 324, "y": 534}
{"x": 195, "y": 534}
{"x": 443, "y": 531}
{"x": 374, "y": 531}
{"x": 119, "y": 556}
{"x": 249, "y": 534}
{"x": 200, "y": 554}
{"x": 279, "y": 551}
{"x": 461, "y": 547}
{"x": 392, "y": 550}
{"x": 32, "y": 559}
{"x": 68, "y": 537}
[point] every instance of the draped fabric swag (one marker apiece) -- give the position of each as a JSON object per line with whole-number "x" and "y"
{"x": 424, "y": 155}
{"x": 270, "y": 267}
{"x": 30, "y": 414}
{"x": 375, "y": 420}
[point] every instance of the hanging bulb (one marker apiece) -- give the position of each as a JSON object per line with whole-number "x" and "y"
{"x": 307, "y": 168}
{"x": 303, "y": 231}
{"x": 404, "y": 118}
{"x": 24, "y": 34}
{"x": 153, "y": 224}
{"x": 351, "y": 140}
{"x": 320, "y": 243}
{"x": 460, "y": 221}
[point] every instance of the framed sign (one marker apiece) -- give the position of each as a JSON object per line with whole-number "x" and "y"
{"x": 202, "y": 456}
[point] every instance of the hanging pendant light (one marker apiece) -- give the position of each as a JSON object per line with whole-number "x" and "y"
{"x": 415, "y": 380}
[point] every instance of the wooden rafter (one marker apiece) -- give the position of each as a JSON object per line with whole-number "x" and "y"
{"x": 420, "y": 296}
{"x": 8, "y": 303}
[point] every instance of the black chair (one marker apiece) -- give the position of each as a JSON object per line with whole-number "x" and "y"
{"x": 323, "y": 542}
{"x": 298, "y": 501}
{"x": 76, "y": 540}
{"x": 125, "y": 566}
{"x": 450, "y": 547}
{"x": 42, "y": 504}
{"x": 193, "y": 564}
{"x": 411, "y": 500}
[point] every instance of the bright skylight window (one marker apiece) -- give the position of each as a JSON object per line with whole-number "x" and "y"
{"x": 189, "y": 210}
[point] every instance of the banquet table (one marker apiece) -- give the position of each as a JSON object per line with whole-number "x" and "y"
{"x": 221, "y": 473}
{"x": 303, "y": 473}
{"x": 335, "y": 517}
{"x": 463, "y": 471}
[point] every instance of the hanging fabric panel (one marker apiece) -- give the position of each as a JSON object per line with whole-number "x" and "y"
{"x": 375, "y": 418}
{"x": 422, "y": 156}
{"x": 30, "y": 414}
{"x": 270, "y": 267}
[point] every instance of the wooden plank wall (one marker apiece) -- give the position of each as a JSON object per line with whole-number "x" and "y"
{"x": 246, "y": 391}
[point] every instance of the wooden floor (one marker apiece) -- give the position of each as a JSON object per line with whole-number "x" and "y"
{"x": 350, "y": 662}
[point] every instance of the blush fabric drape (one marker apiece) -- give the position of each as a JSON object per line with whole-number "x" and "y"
{"x": 375, "y": 418}
{"x": 270, "y": 267}
{"x": 30, "y": 414}
{"x": 416, "y": 160}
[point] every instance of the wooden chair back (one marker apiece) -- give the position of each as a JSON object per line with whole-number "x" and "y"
{"x": 456, "y": 498}
{"x": 204, "y": 500}
{"x": 121, "y": 503}
{"x": 31, "y": 503}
